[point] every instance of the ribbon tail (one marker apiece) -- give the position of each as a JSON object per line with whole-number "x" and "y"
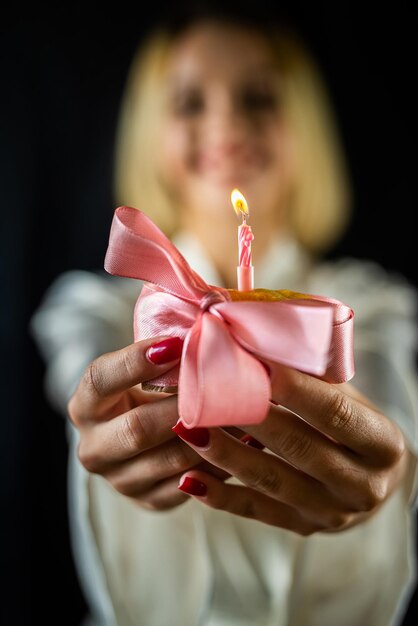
{"x": 220, "y": 383}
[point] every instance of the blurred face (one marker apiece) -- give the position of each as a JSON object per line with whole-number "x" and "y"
{"x": 224, "y": 126}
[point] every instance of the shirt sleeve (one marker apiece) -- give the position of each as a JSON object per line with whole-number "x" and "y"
{"x": 82, "y": 315}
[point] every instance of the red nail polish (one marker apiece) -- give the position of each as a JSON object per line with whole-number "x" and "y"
{"x": 193, "y": 487}
{"x": 165, "y": 351}
{"x": 197, "y": 436}
{"x": 251, "y": 441}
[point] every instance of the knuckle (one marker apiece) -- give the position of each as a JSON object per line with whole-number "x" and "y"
{"x": 130, "y": 362}
{"x": 266, "y": 481}
{"x": 220, "y": 456}
{"x": 245, "y": 508}
{"x": 373, "y": 493}
{"x": 124, "y": 487}
{"x": 242, "y": 505}
{"x": 176, "y": 456}
{"x": 72, "y": 411}
{"x": 341, "y": 413}
{"x": 155, "y": 502}
{"x": 296, "y": 446}
{"x": 125, "y": 481}
{"x": 337, "y": 520}
{"x": 93, "y": 379}
{"x": 132, "y": 435}
{"x": 89, "y": 459}
{"x": 395, "y": 449}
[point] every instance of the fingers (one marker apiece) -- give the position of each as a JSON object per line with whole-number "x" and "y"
{"x": 107, "y": 377}
{"x": 163, "y": 496}
{"x": 127, "y": 435}
{"x": 307, "y": 449}
{"x": 329, "y": 504}
{"x": 244, "y": 502}
{"x": 352, "y": 479}
{"x": 144, "y": 472}
{"x": 264, "y": 473}
{"x": 140, "y": 477}
{"x": 340, "y": 416}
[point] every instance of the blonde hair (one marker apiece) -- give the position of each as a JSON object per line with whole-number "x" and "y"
{"x": 320, "y": 201}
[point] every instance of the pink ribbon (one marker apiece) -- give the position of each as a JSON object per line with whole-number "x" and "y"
{"x": 221, "y": 381}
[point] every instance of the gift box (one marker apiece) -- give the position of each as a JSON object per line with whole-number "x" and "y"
{"x": 221, "y": 379}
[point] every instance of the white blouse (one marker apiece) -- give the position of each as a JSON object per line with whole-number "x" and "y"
{"x": 195, "y": 566}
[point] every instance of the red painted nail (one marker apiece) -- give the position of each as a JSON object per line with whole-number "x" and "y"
{"x": 165, "y": 351}
{"x": 193, "y": 487}
{"x": 197, "y": 436}
{"x": 251, "y": 441}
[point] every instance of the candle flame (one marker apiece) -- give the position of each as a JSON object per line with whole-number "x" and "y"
{"x": 239, "y": 203}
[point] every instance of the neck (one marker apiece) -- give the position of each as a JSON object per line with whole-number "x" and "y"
{"x": 221, "y": 243}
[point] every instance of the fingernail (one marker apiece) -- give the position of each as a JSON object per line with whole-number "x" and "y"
{"x": 165, "y": 351}
{"x": 197, "y": 436}
{"x": 192, "y": 486}
{"x": 251, "y": 441}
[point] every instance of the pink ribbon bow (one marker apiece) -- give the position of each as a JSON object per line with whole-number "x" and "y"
{"x": 221, "y": 381}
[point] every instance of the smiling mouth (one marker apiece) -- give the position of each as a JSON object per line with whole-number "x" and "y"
{"x": 230, "y": 167}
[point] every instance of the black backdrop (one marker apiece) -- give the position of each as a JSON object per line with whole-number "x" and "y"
{"x": 61, "y": 85}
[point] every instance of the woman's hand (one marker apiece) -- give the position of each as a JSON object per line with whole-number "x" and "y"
{"x": 125, "y": 433}
{"x": 331, "y": 458}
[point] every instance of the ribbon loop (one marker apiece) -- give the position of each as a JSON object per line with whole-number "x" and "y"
{"x": 138, "y": 249}
{"x": 220, "y": 380}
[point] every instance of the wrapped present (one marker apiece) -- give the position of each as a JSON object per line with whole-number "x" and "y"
{"x": 221, "y": 380}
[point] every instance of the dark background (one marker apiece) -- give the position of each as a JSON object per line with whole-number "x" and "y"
{"x": 61, "y": 86}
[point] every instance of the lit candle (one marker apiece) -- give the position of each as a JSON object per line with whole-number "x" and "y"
{"x": 245, "y": 269}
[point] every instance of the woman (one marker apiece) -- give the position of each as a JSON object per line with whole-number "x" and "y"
{"x": 316, "y": 525}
